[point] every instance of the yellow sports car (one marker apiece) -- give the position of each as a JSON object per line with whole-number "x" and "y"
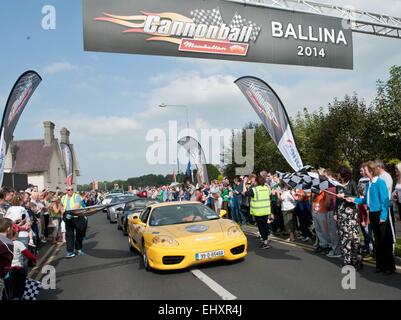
{"x": 176, "y": 235}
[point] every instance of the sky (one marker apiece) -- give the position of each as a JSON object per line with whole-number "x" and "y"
{"x": 109, "y": 101}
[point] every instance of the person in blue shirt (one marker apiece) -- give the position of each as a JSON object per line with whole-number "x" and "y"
{"x": 377, "y": 200}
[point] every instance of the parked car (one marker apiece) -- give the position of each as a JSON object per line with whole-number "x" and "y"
{"x": 119, "y": 201}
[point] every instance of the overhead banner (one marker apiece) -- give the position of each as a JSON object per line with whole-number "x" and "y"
{"x": 68, "y": 161}
{"x": 195, "y": 151}
{"x": 214, "y": 29}
{"x": 271, "y": 111}
{"x": 19, "y": 96}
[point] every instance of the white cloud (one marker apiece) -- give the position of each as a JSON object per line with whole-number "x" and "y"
{"x": 57, "y": 67}
{"x": 114, "y": 156}
{"x": 87, "y": 126}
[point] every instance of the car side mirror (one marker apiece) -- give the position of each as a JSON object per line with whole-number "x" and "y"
{"x": 135, "y": 219}
{"x": 223, "y": 213}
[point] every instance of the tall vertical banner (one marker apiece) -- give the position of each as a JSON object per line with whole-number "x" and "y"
{"x": 194, "y": 148}
{"x": 271, "y": 111}
{"x": 69, "y": 163}
{"x": 19, "y": 96}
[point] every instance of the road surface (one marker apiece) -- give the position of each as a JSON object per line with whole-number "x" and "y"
{"x": 110, "y": 271}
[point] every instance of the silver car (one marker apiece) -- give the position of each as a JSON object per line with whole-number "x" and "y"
{"x": 119, "y": 202}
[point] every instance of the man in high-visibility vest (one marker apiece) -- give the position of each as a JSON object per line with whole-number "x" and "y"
{"x": 75, "y": 226}
{"x": 260, "y": 208}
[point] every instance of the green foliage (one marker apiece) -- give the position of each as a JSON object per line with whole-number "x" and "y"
{"x": 212, "y": 171}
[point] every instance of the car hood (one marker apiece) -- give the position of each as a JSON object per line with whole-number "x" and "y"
{"x": 195, "y": 233}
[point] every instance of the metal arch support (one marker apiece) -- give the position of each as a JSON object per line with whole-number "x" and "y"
{"x": 358, "y": 20}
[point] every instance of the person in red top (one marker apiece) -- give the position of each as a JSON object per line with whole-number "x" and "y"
{"x": 6, "y": 253}
{"x": 331, "y": 201}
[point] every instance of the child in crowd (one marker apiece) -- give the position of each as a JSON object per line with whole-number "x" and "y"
{"x": 18, "y": 271}
{"x": 365, "y": 223}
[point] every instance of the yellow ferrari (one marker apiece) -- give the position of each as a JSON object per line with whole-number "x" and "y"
{"x": 176, "y": 235}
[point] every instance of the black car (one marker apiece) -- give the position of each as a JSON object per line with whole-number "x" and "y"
{"x": 136, "y": 205}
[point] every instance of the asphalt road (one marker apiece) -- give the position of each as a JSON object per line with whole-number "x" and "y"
{"x": 110, "y": 271}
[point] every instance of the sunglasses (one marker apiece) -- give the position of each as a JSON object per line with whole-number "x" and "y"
{"x": 70, "y": 189}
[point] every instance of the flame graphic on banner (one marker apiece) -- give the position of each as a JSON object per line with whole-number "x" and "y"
{"x": 136, "y": 24}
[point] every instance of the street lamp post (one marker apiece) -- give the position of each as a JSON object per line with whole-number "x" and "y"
{"x": 163, "y": 105}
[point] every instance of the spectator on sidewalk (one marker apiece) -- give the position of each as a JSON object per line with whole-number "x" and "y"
{"x": 18, "y": 270}
{"x": 9, "y": 194}
{"x": 56, "y": 210}
{"x": 364, "y": 222}
{"x": 330, "y": 203}
{"x": 6, "y": 255}
{"x": 376, "y": 198}
{"x": 278, "y": 225}
{"x": 20, "y": 217}
{"x": 384, "y": 175}
{"x": 348, "y": 220}
{"x": 237, "y": 201}
{"x": 288, "y": 205}
{"x": 397, "y": 189}
{"x": 319, "y": 214}
{"x": 2, "y": 211}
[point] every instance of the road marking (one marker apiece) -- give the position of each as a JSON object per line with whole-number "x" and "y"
{"x": 223, "y": 293}
{"x": 54, "y": 252}
{"x": 35, "y": 270}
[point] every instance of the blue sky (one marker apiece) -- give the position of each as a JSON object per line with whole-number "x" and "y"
{"x": 108, "y": 101}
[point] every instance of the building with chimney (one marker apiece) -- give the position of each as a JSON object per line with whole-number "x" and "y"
{"x": 41, "y": 160}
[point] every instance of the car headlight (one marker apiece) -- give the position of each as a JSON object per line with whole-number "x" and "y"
{"x": 234, "y": 232}
{"x": 165, "y": 241}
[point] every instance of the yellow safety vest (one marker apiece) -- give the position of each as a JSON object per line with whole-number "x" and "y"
{"x": 71, "y": 201}
{"x": 260, "y": 202}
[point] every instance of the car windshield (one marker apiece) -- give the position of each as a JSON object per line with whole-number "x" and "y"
{"x": 119, "y": 199}
{"x": 136, "y": 204}
{"x": 182, "y": 213}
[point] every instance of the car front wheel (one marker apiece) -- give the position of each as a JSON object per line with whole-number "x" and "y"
{"x": 145, "y": 259}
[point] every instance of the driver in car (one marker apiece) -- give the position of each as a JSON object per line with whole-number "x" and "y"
{"x": 191, "y": 216}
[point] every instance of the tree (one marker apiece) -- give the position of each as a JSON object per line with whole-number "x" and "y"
{"x": 388, "y": 107}
{"x": 212, "y": 171}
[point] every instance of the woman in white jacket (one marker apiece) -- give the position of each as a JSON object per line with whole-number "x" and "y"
{"x": 288, "y": 205}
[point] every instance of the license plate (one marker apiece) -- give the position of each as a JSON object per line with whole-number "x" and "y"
{"x": 209, "y": 254}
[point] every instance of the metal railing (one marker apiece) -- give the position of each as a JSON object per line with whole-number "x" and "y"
{"x": 358, "y": 20}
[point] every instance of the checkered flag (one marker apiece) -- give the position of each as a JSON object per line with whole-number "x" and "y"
{"x": 207, "y": 17}
{"x": 239, "y": 22}
{"x": 308, "y": 179}
{"x": 32, "y": 289}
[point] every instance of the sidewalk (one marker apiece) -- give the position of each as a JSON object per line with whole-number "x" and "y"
{"x": 253, "y": 230}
